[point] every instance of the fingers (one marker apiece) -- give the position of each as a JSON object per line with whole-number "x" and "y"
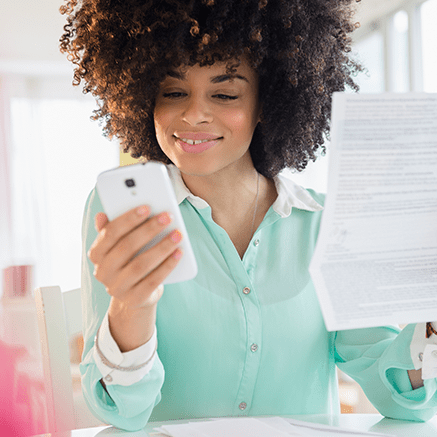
{"x": 122, "y": 254}
{"x": 100, "y": 221}
{"x": 130, "y": 244}
{"x": 111, "y": 232}
{"x": 134, "y": 280}
{"x": 136, "y": 270}
{"x": 150, "y": 289}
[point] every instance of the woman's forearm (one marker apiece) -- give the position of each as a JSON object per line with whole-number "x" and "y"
{"x": 415, "y": 378}
{"x": 131, "y": 328}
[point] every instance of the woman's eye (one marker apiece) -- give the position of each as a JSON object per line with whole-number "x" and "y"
{"x": 225, "y": 97}
{"x": 174, "y": 95}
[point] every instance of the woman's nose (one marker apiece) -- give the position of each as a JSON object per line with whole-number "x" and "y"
{"x": 197, "y": 111}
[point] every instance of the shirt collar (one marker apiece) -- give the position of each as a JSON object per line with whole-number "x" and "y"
{"x": 290, "y": 194}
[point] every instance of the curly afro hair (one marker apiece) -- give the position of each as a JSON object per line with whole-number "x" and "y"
{"x": 122, "y": 50}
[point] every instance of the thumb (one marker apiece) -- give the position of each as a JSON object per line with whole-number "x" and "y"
{"x": 100, "y": 221}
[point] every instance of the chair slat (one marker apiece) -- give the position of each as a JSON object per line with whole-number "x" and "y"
{"x": 54, "y": 336}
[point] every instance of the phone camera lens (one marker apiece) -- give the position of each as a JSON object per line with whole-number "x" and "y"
{"x": 129, "y": 183}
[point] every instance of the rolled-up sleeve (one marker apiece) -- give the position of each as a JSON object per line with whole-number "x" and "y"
{"x": 379, "y": 360}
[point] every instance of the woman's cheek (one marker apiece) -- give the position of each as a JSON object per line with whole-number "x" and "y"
{"x": 236, "y": 119}
{"x": 162, "y": 122}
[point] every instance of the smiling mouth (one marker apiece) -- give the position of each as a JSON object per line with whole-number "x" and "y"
{"x": 196, "y": 142}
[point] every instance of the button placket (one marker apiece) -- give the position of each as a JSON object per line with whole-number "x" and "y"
{"x": 248, "y": 380}
{"x": 253, "y": 330}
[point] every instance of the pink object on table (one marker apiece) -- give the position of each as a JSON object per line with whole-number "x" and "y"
{"x": 17, "y": 281}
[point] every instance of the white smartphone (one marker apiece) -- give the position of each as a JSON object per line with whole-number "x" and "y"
{"x": 124, "y": 188}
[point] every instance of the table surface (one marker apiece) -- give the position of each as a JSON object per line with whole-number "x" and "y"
{"x": 358, "y": 422}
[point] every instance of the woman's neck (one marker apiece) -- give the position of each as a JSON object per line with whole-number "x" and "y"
{"x": 225, "y": 190}
{"x": 232, "y": 194}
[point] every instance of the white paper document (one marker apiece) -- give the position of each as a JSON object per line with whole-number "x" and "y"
{"x": 257, "y": 427}
{"x": 376, "y": 257}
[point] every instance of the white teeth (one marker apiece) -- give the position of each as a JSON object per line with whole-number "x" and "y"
{"x": 194, "y": 142}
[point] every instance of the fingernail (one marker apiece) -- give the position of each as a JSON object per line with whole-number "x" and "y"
{"x": 176, "y": 236}
{"x": 177, "y": 254}
{"x": 142, "y": 210}
{"x": 164, "y": 218}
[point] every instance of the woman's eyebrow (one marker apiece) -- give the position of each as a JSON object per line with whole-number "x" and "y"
{"x": 216, "y": 79}
{"x": 226, "y": 77}
{"x": 176, "y": 75}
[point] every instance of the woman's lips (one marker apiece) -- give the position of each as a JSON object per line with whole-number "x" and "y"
{"x": 196, "y": 136}
{"x": 196, "y": 148}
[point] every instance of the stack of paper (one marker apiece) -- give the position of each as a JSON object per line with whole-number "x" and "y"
{"x": 256, "y": 427}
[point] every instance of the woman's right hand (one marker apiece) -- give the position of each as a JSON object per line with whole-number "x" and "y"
{"x": 133, "y": 280}
{"x": 133, "y": 283}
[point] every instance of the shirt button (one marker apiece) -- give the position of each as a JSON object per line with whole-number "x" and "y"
{"x": 108, "y": 378}
{"x": 256, "y": 242}
{"x": 421, "y": 356}
{"x": 246, "y": 290}
{"x": 242, "y": 406}
{"x": 434, "y": 354}
{"x": 254, "y": 347}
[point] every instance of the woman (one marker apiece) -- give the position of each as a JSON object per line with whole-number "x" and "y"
{"x": 227, "y": 93}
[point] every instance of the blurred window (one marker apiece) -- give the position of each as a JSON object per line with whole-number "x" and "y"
{"x": 58, "y": 153}
{"x": 400, "y": 80}
{"x": 369, "y": 51}
{"x": 429, "y": 45}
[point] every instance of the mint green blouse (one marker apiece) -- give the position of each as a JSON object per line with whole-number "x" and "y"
{"x": 246, "y": 337}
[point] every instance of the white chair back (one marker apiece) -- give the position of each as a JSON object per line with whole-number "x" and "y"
{"x": 59, "y": 318}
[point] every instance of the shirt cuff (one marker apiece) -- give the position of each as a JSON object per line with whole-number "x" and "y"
{"x": 109, "y": 348}
{"x": 424, "y": 351}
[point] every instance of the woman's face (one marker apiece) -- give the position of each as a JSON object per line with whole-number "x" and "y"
{"x": 205, "y": 118}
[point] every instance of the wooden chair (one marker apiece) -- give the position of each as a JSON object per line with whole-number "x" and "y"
{"x": 60, "y": 318}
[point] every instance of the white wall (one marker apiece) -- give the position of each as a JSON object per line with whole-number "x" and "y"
{"x": 29, "y": 38}
{"x": 30, "y": 29}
